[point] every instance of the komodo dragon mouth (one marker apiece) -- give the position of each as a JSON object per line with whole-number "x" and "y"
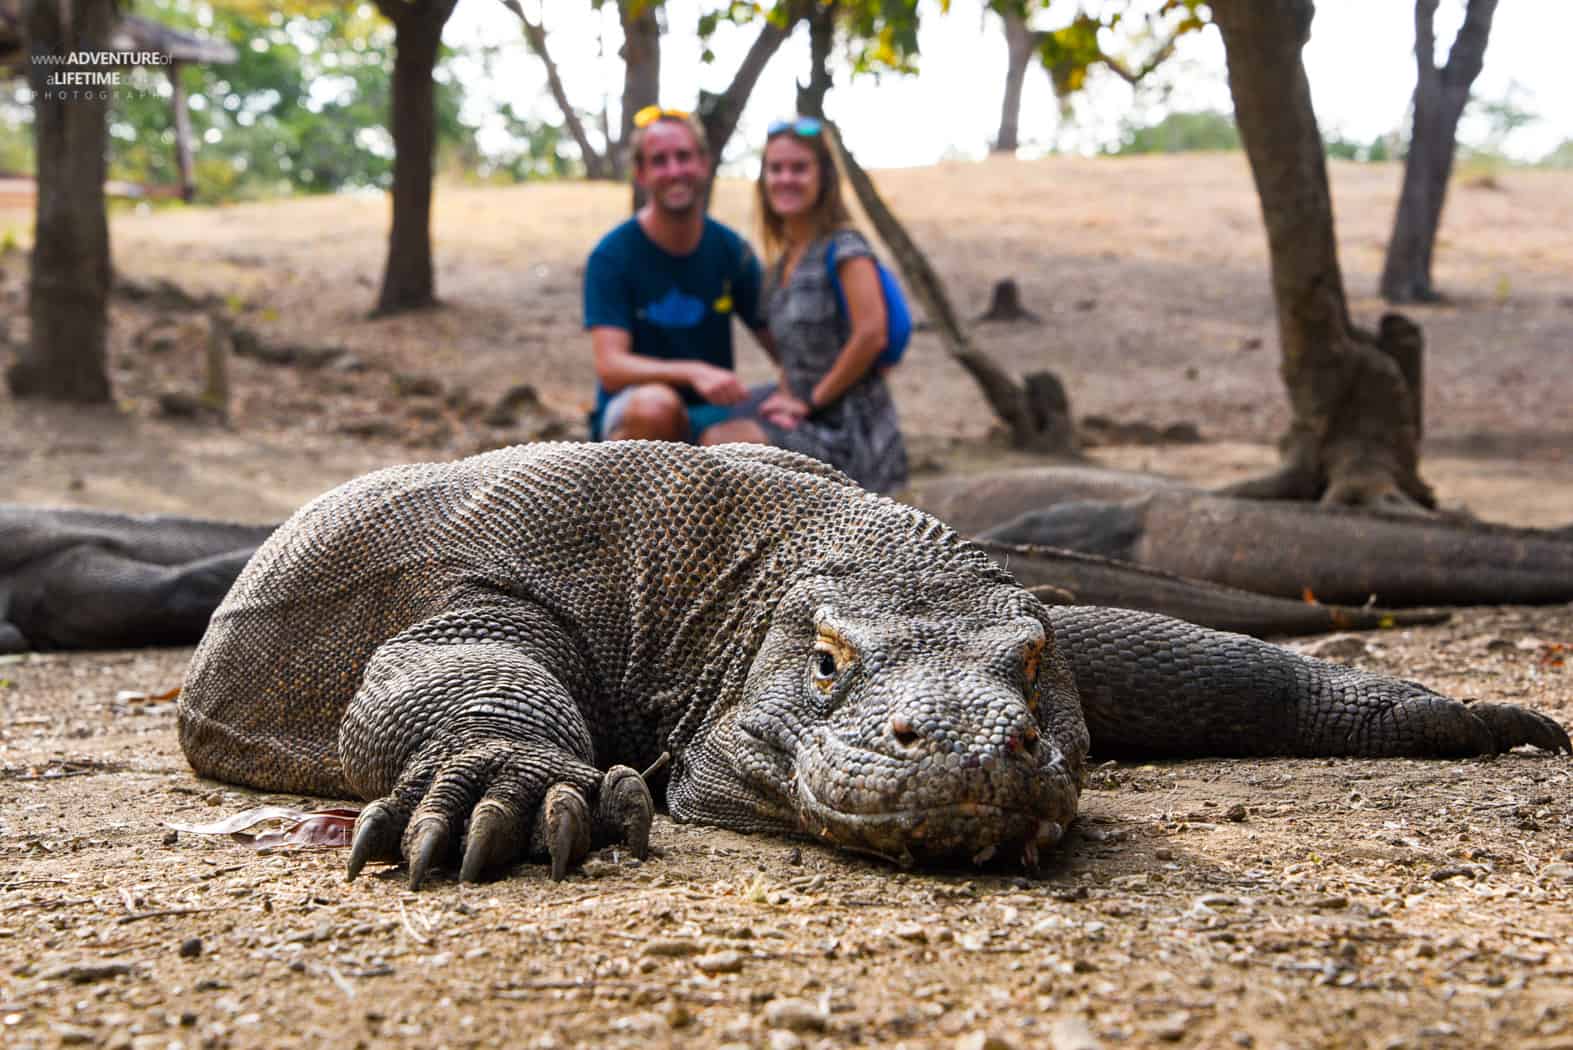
{"x": 1010, "y": 816}
{"x": 922, "y": 808}
{"x": 939, "y": 832}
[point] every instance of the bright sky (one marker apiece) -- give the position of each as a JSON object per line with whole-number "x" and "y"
{"x": 1359, "y": 61}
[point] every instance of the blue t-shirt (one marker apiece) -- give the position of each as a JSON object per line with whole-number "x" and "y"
{"x": 674, "y": 307}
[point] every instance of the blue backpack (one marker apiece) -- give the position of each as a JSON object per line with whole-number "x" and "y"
{"x": 898, "y": 317}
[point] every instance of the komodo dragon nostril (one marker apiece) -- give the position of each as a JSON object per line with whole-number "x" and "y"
{"x": 901, "y": 729}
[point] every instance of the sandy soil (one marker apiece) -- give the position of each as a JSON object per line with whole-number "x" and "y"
{"x": 1207, "y": 903}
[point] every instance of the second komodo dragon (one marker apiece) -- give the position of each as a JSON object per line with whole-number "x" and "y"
{"x": 489, "y": 648}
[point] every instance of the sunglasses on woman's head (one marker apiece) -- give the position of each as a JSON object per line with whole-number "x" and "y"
{"x": 650, "y": 114}
{"x": 807, "y": 127}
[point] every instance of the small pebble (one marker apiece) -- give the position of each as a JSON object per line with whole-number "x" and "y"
{"x": 670, "y": 949}
{"x": 1072, "y": 1033}
{"x": 191, "y": 947}
{"x": 1172, "y": 1028}
{"x": 720, "y": 962}
{"x": 796, "y": 1015}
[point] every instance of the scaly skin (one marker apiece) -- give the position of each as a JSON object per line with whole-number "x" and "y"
{"x": 86, "y": 579}
{"x": 487, "y": 649}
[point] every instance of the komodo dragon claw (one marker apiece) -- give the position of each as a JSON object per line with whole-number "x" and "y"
{"x": 562, "y": 829}
{"x": 1512, "y": 726}
{"x": 428, "y": 842}
{"x": 377, "y": 832}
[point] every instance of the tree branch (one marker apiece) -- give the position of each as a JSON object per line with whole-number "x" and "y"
{"x": 1468, "y": 54}
{"x": 1134, "y": 77}
{"x": 1425, "y": 36}
{"x": 721, "y": 113}
{"x": 535, "y": 35}
{"x": 1008, "y": 398}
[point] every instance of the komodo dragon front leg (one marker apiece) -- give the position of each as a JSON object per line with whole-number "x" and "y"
{"x": 470, "y": 728}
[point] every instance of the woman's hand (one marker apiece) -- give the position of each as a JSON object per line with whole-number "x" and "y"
{"x": 783, "y": 409}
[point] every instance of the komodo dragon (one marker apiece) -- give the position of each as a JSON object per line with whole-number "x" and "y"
{"x": 484, "y": 648}
{"x": 89, "y": 579}
{"x": 79, "y": 579}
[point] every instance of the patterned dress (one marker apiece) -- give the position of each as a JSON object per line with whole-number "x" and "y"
{"x": 859, "y": 434}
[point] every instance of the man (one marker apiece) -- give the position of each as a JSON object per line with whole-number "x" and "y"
{"x": 659, "y": 294}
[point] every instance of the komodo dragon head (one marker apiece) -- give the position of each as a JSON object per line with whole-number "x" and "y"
{"x": 913, "y": 717}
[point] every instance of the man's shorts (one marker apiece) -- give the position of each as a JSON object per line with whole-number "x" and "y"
{"x": 700, "y": 417}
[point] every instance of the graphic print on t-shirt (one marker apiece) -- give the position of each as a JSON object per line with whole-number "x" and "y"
{"x": 675, "y": 309}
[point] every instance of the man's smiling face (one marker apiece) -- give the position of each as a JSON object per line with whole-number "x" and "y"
{"x": 672, "y": 168}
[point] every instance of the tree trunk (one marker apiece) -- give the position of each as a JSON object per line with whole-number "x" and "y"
{"x": 182, "y": 114}
{"x": 1440, "y": 97}
{"x": 407, "y": 281}
{"x": 65, "y": 358}
{"x": 821, "y": 37}
{"x": 1020, "y": 43}
{"x": 641, "y": 72}
{"x": 1354, "y": 437}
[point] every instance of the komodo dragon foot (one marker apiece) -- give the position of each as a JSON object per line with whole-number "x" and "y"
{"x": 489, "y": 800}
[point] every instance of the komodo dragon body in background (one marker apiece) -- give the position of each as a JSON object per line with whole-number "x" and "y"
{"x": 1288, "y": 548}
{"x": 973, "y": 503}
{"x": 484, "y": 647}
{"x": 87, "y": 579}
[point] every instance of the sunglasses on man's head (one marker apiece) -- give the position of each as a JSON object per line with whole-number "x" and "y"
{"x": 650, "y": 114}
{"x": 807, "y": 127}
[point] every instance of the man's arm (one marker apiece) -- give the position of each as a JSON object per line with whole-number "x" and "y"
{"x": 617, "y": 366}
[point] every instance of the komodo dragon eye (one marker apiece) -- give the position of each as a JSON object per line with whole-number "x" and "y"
{"x": 824, "y": 664}
{"x": 832, "y": 654}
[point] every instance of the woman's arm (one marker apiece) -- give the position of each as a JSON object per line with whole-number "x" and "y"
{"x": 866, "y": 310}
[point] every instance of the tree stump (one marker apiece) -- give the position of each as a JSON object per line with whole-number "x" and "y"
{"x": 1050, "y": 408}
{"x": 1005, "y": 304}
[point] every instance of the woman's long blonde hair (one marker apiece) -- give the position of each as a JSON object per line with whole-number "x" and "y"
{"x": 829, "y": 212}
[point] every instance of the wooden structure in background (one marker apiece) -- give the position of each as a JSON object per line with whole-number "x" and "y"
{"x": 135, "y": 33}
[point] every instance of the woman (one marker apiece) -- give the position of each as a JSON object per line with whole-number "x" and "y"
{"x": 832, "y": 402}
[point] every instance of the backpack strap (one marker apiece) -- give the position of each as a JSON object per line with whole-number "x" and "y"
{"x": 835, "y": 279}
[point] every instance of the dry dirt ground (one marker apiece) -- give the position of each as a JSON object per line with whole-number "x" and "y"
{"x": 1205, "y": 903}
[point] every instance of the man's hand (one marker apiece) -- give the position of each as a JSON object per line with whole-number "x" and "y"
{"x": 783, "y": 409}
{"x": 718, "y": 386}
